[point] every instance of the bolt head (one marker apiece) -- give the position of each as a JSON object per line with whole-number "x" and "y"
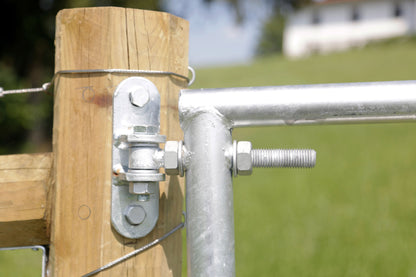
{"x": 139, "y": 97}
{"x": 171, "y": 158}
{"x": 244, "y": 163}
{"x": 135, "y": 214}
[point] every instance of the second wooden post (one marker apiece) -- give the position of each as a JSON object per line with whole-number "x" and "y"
{"x": 82, "y": 238}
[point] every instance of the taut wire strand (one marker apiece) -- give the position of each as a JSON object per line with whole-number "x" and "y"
{"x": 137, "y": 251}
{"x": 46, "y": 86}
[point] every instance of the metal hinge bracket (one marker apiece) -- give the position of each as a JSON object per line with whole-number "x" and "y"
{"x": 136, "y": 157}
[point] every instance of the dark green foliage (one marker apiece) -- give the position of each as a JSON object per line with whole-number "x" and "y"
{"x": 27, "y": 60}
{"x": 20, "y": 115}
{"x": 271, "y": 39}
{"x": 272, "y": 33}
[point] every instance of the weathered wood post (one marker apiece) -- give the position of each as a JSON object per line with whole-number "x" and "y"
{"x": 24, "y": 189}
{"x": 82, "y": 238}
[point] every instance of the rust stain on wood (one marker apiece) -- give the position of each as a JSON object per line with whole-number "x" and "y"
{"x": 102, "y": 100}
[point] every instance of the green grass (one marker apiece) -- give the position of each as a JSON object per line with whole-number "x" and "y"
{"x": 380, "y": 62}
{"x": 354, "y": 214}
{"x": 22, "y": 263}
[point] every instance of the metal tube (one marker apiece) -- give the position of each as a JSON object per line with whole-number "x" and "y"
{"x": 309, "y": 104}
{"x": 207, "y": 117}
{"x": 209, "y": 196}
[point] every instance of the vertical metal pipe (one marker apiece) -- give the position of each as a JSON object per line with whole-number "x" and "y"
{"x": 209, "y": 196}
{"x": 207, "y": 117}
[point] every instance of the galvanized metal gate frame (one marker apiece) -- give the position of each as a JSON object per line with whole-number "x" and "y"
{"x": 208, "y": 117}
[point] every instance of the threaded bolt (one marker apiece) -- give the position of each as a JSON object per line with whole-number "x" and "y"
{"x": 245, "y": 158}
{"x": 283, "y": 158}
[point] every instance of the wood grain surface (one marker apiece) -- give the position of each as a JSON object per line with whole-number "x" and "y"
{"x": 24, "y": 187}
{"x": 82, "y": 238}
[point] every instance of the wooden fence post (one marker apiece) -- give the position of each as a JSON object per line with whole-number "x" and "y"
{"x": 82, "y": 238}
{"x": 24, "y": 209}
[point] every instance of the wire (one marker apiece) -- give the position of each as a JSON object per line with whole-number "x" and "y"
{"x": 135, "y": 252}
{"x": 46, "y": 86}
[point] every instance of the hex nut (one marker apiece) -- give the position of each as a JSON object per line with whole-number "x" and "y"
{"x": 140, "y": 188}
{"x": 139, "y": 97}
{"x": 135, "y": 214}
{"x": 171, "y": 158}
{"x": 244, "y": 163}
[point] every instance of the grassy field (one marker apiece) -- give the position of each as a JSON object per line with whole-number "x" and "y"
{"x": 352, "y": 215}
{"x": 21, "y": 263}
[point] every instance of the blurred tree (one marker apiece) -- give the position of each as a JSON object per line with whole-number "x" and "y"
{"x": 277, "y": 6}
{"x": 27, "y": 31}
{"x": 271, "y": 37}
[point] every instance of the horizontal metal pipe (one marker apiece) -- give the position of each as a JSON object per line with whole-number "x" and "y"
{"x": 305, "y": 104}
{"x": 206, "y": 119}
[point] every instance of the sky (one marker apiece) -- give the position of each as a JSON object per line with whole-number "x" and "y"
{"x": 215, "y": 38}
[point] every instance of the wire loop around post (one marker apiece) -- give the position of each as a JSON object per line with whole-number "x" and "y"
{"x": 45, "y": 87}
{"x": 192, "y": 80}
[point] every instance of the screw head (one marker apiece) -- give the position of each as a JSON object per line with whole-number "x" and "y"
{"x": 139, "y": 97}
{"x": 135, "y": 214}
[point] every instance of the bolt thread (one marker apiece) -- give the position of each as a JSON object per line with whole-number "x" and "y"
{"x": 283, "y": 157}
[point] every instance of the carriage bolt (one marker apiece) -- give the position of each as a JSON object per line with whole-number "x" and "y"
{"x": 135, "y": 214}
{"x": 139, "y": 97}
{"x": 245, "y": 158}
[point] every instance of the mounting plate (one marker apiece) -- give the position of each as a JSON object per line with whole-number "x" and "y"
{"x": 136, "y": 125}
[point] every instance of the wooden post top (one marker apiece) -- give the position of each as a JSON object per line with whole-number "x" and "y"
{"x": 82, "y": 238}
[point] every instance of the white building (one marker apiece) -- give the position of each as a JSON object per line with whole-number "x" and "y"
{"x": 335, "y": 25}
